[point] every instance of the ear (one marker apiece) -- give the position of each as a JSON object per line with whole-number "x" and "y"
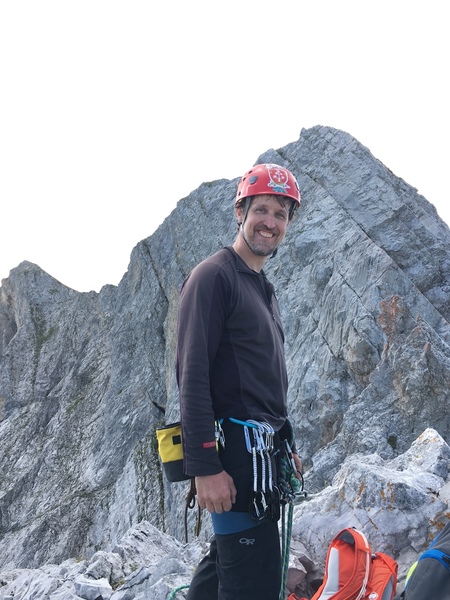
{"x": 239, "y": 210}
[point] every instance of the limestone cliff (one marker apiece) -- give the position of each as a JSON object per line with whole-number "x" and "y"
{"x": 363, "y": 280}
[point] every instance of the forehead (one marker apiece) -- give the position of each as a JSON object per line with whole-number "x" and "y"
{"x": 271, "y": 199}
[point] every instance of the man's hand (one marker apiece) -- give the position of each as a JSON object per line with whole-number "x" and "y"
{"x": 216, "y": 493}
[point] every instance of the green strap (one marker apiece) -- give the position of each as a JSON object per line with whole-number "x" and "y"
{"x": 290, "y": 487}
{"x": 176, "y": 590}
{"x": 286, "y": 531}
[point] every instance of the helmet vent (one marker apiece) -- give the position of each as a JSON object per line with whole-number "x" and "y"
{"x": 253, "y": 179}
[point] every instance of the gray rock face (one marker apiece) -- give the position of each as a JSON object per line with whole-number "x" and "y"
{"x": 363, "y": 280}
{"x": 393, "y": 502}
{"x": 146, "y": 565}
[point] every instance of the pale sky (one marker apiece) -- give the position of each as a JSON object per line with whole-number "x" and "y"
{"x": 112, "y": 111}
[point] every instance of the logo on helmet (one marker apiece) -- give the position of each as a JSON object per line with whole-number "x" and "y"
{"x": 278, "y": 179}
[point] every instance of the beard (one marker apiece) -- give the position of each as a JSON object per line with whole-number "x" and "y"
{"x": 259, "y": 248}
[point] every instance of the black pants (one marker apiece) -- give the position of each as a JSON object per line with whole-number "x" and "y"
{"x": 240, "y": 566}
{"x": 245, "y": 565}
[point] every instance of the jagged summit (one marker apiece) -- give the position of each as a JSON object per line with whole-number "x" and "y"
{"x": 363, "y": 280}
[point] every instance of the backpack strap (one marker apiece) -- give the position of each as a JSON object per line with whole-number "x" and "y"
{"x": 347, "y": 567}
{"x": 443, "y": 558}
{"x": 362, "y": 544}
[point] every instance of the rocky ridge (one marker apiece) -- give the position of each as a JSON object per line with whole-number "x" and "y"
{"x": 393, "y": 501}
{"x": 363, "y": 280}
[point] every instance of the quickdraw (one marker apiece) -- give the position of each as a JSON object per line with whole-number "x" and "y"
{"x": 259, "y": 440}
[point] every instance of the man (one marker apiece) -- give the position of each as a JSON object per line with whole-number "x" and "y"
{"x": 233, "y": 384}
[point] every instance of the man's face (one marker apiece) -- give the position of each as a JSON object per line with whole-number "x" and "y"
{"x": 265, "y": 225}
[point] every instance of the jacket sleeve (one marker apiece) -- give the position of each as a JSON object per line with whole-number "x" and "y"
{"x": 201, "y": 319}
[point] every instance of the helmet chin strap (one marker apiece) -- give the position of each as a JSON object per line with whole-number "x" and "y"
{"x": 248, "y": 201}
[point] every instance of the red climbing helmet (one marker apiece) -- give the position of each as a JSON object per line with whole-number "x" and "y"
{"x": 268, "y": 179}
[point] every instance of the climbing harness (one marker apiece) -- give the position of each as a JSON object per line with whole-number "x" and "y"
{"x": 269, "y": 498}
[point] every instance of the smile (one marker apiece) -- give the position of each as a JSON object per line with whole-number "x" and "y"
{"x": 266, "y": 234}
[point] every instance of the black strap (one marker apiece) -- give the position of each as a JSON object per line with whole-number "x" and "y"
{"x": 190, "y": 503}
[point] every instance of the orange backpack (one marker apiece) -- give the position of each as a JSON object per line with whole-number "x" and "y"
{"x": 353, "y": 572}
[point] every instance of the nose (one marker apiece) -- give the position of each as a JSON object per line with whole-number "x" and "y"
{"x": 269, "y": 221}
